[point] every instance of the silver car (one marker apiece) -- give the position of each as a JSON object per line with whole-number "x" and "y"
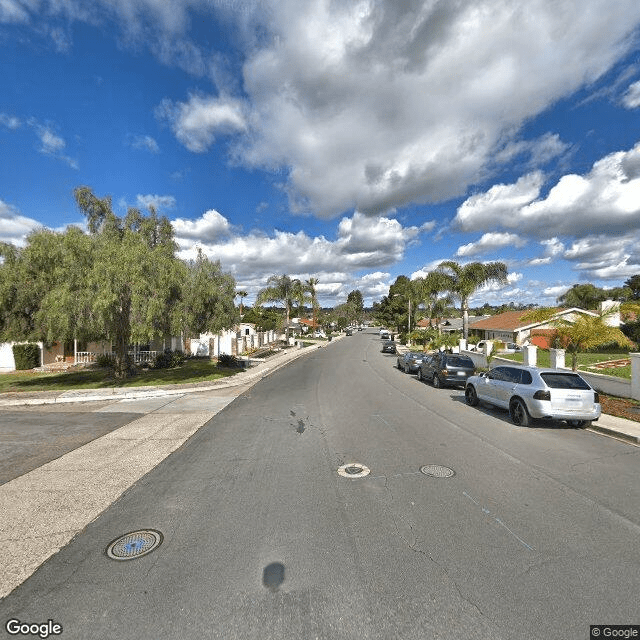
{"x": 409, "y": 362}
{"x": 529, "y": 392}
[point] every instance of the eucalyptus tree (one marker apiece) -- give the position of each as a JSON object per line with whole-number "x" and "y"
{"x": 285, "y": 290}
{"x": 462, "y": 281}
{"x": 355, "y": 299}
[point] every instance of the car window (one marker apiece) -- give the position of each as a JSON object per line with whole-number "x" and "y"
{"x": 564, "y": 381}
{"x": 526, "y": 377}
{"x": 459, "y": 361}
{"x": 497, "y": 373}
{"x": 513, "y": 374}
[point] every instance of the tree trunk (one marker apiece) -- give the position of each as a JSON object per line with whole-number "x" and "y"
{"x": 465, "y": 318}
{"x": 122, "y": 337}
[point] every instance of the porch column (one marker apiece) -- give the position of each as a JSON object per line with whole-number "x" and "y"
{"x": 635, "y": 375}
{"x": 530, "y": 355}
{"x": 557, "y": 358}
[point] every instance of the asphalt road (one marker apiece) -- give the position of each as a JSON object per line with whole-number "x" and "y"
{"x": 534, "y": 536}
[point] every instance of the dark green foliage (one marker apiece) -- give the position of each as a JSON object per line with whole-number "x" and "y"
{"x": 227, "y": 360}
{"x": 105, "y": 360}
{"x": 168, "y": 359}
{"x": 632, "y": 330}
{"x": 26, "y": 356}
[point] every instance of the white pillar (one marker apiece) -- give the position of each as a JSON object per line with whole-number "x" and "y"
{"x": 635, "y": 375}
{"x": 530, "y": 355}
{"x": 488, "y": 347}
{"x": 557, "y": 358}
{"x": 463, "y": 344}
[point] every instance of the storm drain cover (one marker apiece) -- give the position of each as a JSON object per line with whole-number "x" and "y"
{"x": 134, "y": 545}
{"x": 437, "y": 471}
{"x": 353, "y": 470}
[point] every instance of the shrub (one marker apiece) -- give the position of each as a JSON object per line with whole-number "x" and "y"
{"x": 168, "y": 359}
{"x": 105, "y": 360}
{"x": 26, "y": 356}
{"x": 227, "y": 360}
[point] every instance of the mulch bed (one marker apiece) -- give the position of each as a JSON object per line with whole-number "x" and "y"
{"x": 620, "y": 407}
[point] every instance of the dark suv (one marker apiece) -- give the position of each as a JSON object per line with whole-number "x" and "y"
{"x": 446, "y": 369}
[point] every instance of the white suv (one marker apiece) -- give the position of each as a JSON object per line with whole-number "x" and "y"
{"x": 529, "y": 392}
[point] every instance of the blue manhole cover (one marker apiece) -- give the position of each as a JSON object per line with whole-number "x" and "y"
{"x": 134, "y": 545}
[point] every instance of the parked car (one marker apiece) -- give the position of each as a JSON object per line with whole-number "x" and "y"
{"x": 384, "y": 334}
{"x": 511, "y": 347}
{"x": 389, "y": 346}
{"x": 446, "y": 369}
{"x": 348, "y": 332}
{"x": 409, "y": 362}
{"x": 529, "y": 393}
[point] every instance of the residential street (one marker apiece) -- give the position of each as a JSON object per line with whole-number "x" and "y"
{"x": 535, "y": 535}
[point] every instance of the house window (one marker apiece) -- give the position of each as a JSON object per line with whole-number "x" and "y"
{"x": 246, "y": 332}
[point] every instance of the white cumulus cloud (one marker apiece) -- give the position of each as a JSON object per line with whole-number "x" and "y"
{"x": 197, "y": 121}
{"x": 490, "y": 242}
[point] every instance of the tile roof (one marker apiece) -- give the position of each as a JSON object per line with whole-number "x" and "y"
{"x": 509, "y": 321}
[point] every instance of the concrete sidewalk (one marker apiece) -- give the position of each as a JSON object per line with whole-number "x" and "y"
{"x": 247, "y": 376}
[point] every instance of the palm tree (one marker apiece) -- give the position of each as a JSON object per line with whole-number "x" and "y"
{"x": 429, "y": 290}
{"x": 464, "y": 280}
{"x": 242, "y": 294}
{"x": 282, "y": 289}
{"x": 310, "y": 287}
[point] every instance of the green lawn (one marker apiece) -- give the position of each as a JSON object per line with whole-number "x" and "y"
{"x": 584, "y": 360}
{"x": 195, "y": 370}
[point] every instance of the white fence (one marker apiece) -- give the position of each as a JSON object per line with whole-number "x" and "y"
{"x": 87, "y": 357}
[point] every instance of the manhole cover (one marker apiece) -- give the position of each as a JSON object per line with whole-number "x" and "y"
{"x": 437, "y": 471}
{"x": 134, "y": 545}
{"x": 353, "y": 470}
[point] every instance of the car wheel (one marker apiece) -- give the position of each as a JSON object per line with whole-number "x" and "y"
{"x": 471, "y": 396}
{"x": 519, "y": 414}
{"x": 420, "y": 375}
{"x": 579, "y": 424}
{"x": 398, "y": 365}
{"x": 437, "y": 383}
{"x": 406, "y": 368}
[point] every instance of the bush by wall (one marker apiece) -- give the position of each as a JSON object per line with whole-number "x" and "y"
{"x": 168, "y": 359}
{"x": 227, "y": 360}
{"x": 26, "y": 356}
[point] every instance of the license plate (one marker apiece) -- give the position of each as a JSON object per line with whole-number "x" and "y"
{"x": 462, "y": 373}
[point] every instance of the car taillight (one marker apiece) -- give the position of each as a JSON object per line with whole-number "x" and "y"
{"x": 444, "y": 372}
{"x": 596, "y": 397}
{"x": 542, "y": 395}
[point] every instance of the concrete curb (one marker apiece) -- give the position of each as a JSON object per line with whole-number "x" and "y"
{"x": 618, "y": 435}
{"x": 87, "y": 395}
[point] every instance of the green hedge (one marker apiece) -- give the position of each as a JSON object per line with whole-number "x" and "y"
{"x": 26, "y": 356}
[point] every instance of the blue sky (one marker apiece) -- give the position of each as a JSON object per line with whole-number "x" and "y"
{"x": 351, "y": 141}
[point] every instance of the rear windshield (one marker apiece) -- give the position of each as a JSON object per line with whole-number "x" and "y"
{"x": 564, "y": 381}
{"x": 460, "y": 361}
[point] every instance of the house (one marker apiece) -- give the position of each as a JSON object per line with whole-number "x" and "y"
{"x": 510, "y": 327}
{"x": 240, "y": 339}
{"x": 449, "y": 325}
